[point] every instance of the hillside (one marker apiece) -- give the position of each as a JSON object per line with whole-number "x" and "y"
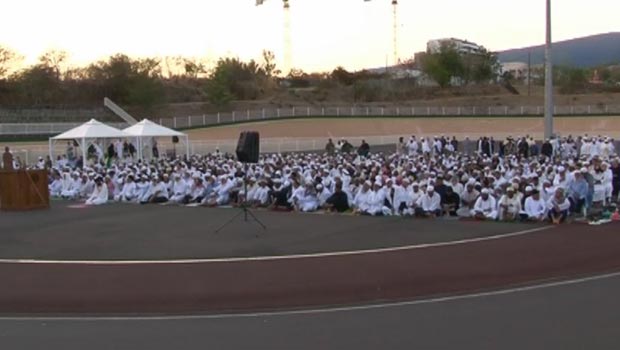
{"x": 586, "y": 52}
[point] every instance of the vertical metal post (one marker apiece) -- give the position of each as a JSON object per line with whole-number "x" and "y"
{"x": 548, "y": 77}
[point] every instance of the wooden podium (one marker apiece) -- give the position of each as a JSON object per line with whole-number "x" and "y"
{"x": 24, "y": 190}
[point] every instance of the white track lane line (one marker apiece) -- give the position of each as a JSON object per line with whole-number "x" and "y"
{"x": 320, "y": 311}
{"x": 272, "y": 258}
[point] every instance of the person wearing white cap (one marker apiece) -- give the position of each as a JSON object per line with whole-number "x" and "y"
{"x": 376, "y": 201}
{"x": 429, "y": 205}
{"x": 323, "y": 193}
{"x": 129, "y": 192}
{"x": 535, "y": 208}
{"x": 485, "y": 207}
{"x": 468, "y": 198}
{"x": 361, "y": 202}
{"x": 558, "y": 207}
{"x": 260, "y": 197}
{"x": 158, "y": 192}
{"x": 142, "y": 189}
{"x": 71, "y": 188}
{"x": 180, "y": 189}
{"x": 307, "y": 201}
{"x": 509, "y": 206}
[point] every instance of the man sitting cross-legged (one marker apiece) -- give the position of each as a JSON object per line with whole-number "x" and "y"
{"x": 429, "y": 205}
{"x": 535, "y": 207}
{"x": 509, "y": 206}
{"x": 558, "y": 207}
{"x": 485, "y": 207}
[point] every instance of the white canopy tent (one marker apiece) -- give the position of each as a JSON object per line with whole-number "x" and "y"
{"x": 86, "y": 134}
{"x": 148, "y": 129}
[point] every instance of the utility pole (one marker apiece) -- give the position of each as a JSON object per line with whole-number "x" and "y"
{"x": 529, "y": 73}
{"x": 548, "y": 78}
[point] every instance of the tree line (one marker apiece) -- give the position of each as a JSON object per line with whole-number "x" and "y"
{"x": 147, "y": 82}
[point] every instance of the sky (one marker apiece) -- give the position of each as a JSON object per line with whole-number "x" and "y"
{"x": 324, "y": 34}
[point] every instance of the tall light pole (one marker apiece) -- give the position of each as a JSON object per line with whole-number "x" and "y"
{"x": 548, "y": 78}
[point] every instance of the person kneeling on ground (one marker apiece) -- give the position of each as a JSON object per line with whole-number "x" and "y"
{"x": 100, "y": 193}
{"x": 558, "y": 206}
{"x": 485, "y": 207}
{"x": 429, "y": 205}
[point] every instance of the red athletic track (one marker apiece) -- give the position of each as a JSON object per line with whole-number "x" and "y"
{"x": 213, "y": 287}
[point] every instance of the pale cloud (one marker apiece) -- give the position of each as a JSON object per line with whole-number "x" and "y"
{"x": 325, "y": 33}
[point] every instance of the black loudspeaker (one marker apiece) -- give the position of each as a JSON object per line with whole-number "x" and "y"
{"x": 248, "y": 147}
{"x": 175, "y": 139}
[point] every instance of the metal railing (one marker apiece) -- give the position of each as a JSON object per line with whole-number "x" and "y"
{"x": 197, "y": 121}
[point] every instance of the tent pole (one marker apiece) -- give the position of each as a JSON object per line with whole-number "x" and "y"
{"x": 187, "y": 146}
{"x": 83, "y": 152}
{"x": 51, "y": 142}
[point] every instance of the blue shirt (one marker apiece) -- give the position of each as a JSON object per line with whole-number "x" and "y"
{"x": 578, "y": 189}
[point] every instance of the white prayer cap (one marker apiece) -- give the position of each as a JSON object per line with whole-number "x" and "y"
{"x": 529, "y": 189}
{"x": 561, "y": 169}
{"x": 485, "y": 191}
{"x": 378, "y": 183}
{"x": 319, "y": 187}
{"x": 415, "y": 184}
{"x": 430, "y": 188}
{"x": 368, "y": 183}
{"x": 510, "y": 189}
{"x": 584, "y": 170}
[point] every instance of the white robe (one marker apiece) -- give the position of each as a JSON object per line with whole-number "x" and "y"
{"x": 99, "y": 195}
{"x": 487, "y": 207}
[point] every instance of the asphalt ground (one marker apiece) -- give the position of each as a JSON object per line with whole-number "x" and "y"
{"x": 69, "y": 231}
{"x": 576, "y": 316}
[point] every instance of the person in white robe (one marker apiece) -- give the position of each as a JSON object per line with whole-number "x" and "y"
{"x": 558, "y": 207}
{"x": 468, "y": 199}
{"x": 485, "y": 207}
{"x": 323, "y": 193}
{"x": 180, "y": 190}
{"x": 56, "y": 186}
{"x": 100, "y": 193}
{"x": 376, "y": 201}
{"x": 71, "y": 188}
{"x": 143, "y": 189}
{"x": 535, "y": 207}
{"x": 129, "y": 192}
{"x": 509, "y": 206}
{"x": 307, "y": 201}
{"x": 429, "y": 205}
{"x": 362, "y": 199}
{"x": 158, "y": 192}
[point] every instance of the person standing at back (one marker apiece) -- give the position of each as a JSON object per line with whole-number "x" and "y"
{"x": 7, "y": 160}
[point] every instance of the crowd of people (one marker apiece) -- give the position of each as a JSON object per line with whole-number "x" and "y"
{"x": 512, "y": 180}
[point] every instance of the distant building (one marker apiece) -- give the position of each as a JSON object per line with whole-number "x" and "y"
{"x": 461, "y": 46}
{"x": 518, "y": 70}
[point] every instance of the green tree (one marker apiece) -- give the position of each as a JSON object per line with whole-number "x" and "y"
{"x": 444, "y": 65}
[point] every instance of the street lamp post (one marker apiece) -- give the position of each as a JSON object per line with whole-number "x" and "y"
{"x": 548, "y": 78}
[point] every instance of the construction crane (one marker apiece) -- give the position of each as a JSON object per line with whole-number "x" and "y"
{"x": 288, "y": 42}
{"x": 395, "y": 26}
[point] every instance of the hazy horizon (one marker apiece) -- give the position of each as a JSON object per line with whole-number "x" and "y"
{"x": 354, "y": 34}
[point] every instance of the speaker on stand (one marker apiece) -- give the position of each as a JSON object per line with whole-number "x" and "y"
{"x": 248, "y": 149}
{"x": 175, "y": 140}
